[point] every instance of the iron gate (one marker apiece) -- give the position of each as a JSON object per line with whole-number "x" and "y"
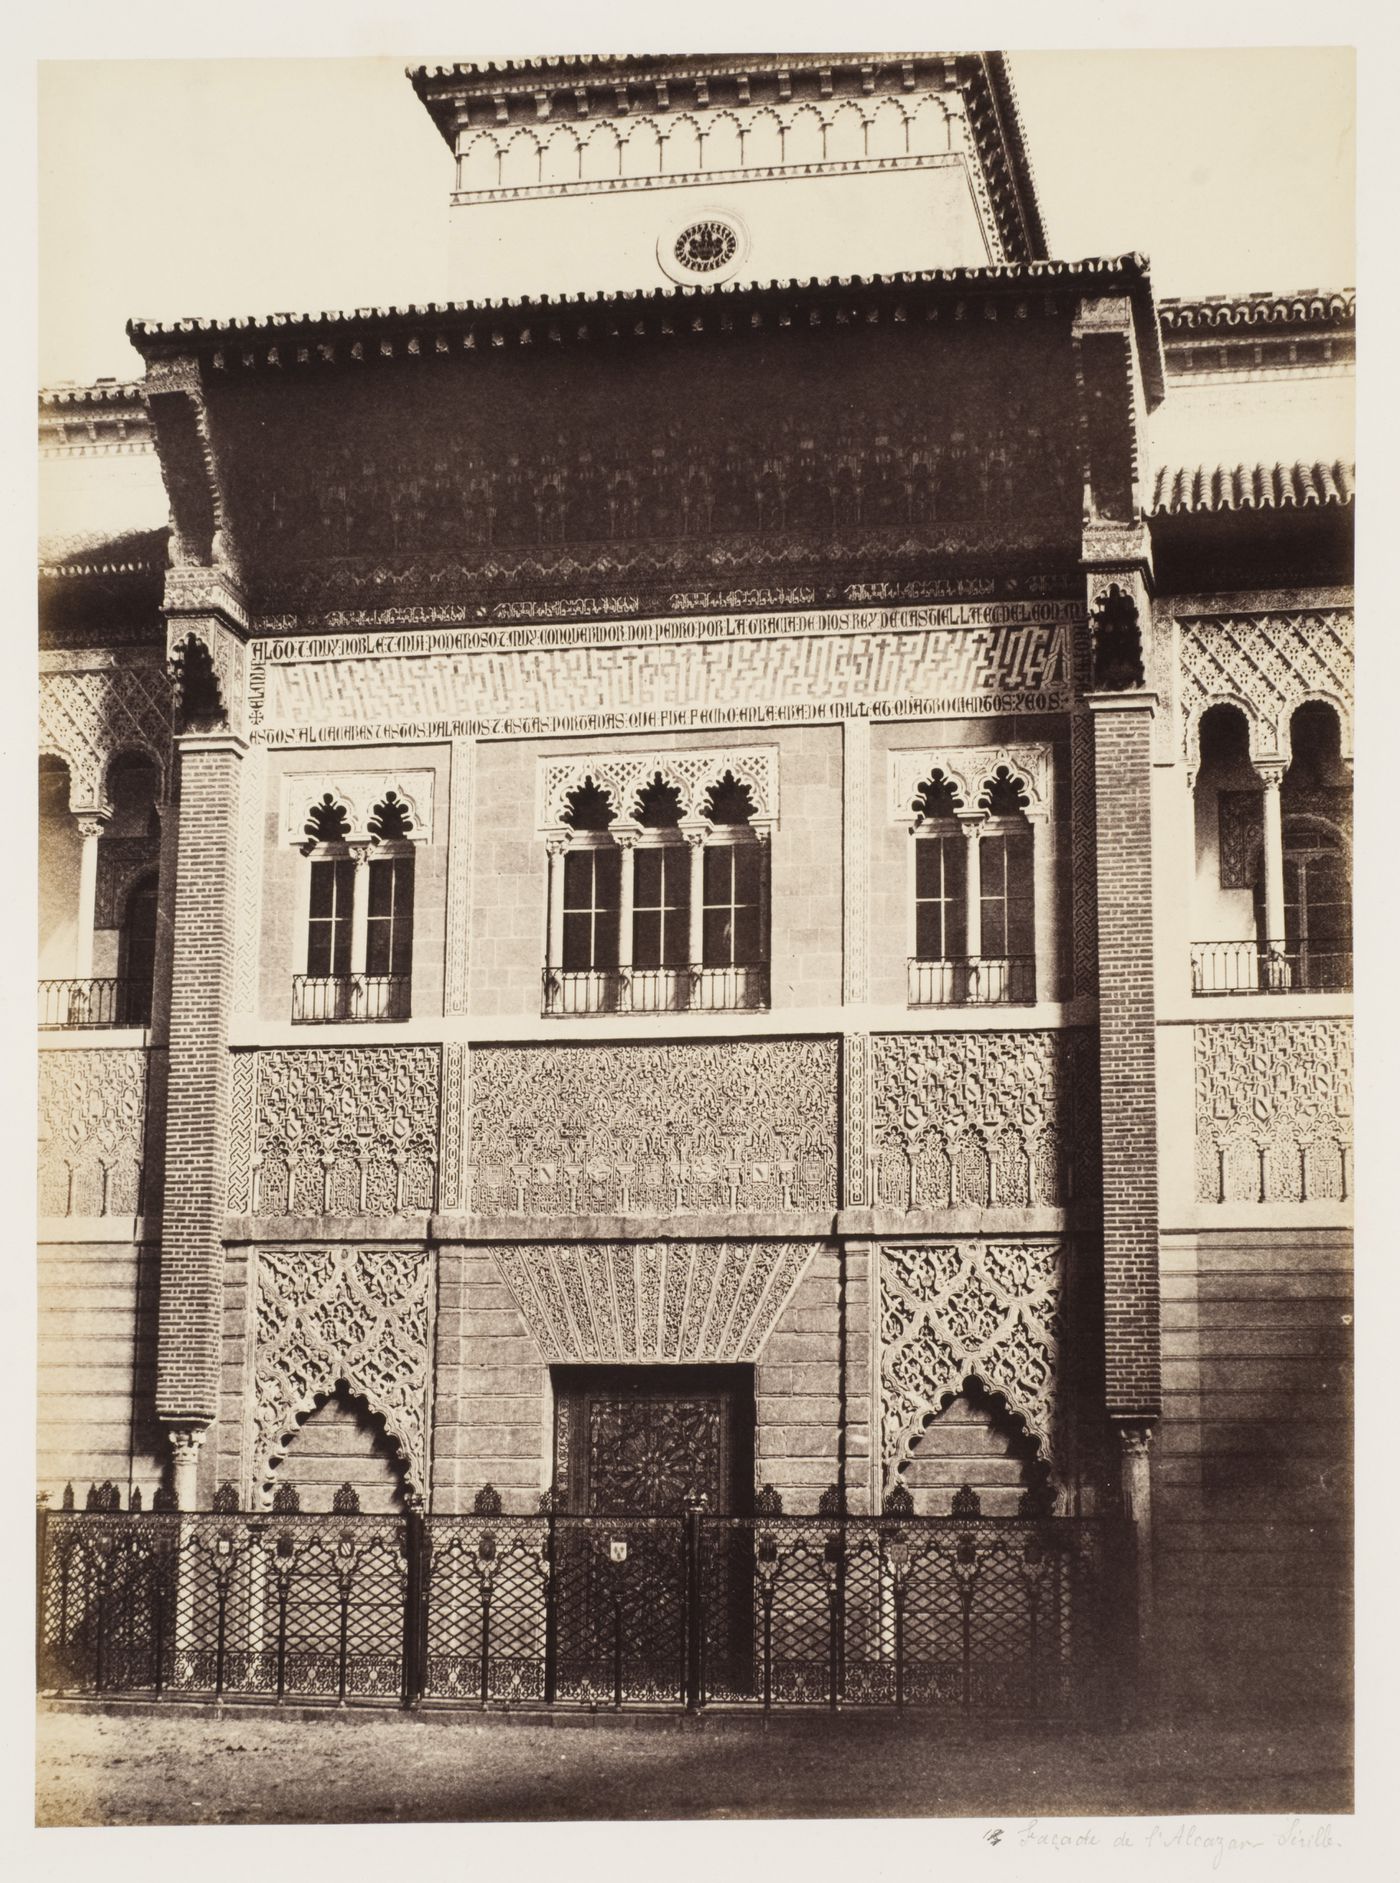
{"x": 962, "y": 1614}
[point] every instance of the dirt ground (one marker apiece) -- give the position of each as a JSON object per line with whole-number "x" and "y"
{"x": 120, "y": 1769}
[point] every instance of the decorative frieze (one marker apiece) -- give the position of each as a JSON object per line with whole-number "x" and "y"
{"x": 343, "y": 1131}
{"x": 87, "y": 716}
{"x": 983, "y": 1120}
{"x": 855, "y": 1114}
{"x": 459, "y": 875}
{"x": 357, "y": 795}
{"x": 623, "y": 776}
{"x": 357, "y": 1316}
{"x": 682, "y": 1129}
{"x": 1267, "y": 665}
{"x": 953, "y": 1311}
{"x": 653, "y": 150}
{"x": 92, "y": 1131}
{"x": 970, "y": 770}
{"x": 961, "y": 660}
{"x": 651, "y": 1301}
{"x": 1274, "y": 1112}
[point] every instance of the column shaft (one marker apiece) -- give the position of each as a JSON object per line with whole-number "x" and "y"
{"x": 91, "y": 829}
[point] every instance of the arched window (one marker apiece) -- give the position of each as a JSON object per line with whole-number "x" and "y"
{"x": 1007, "y": 892}
{"x": 658, "y": 884}
{"x": 359, "y": 918}
{"x": 592, "y": 883}
{"x": 136, "y": 955}
{"x": 974, "y": 870}
{"x": 1316, "y": 904}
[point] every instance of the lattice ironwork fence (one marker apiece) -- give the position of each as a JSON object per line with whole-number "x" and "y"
{"x": 978, "y": 1615}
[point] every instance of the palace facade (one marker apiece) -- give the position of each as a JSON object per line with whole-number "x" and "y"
{"x": 720, "y": 869}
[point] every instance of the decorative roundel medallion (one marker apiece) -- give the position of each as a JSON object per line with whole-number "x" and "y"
{"x": 705, "y": 247}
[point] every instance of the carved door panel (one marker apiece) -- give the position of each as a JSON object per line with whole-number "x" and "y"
{"x": 634, "y": 1448}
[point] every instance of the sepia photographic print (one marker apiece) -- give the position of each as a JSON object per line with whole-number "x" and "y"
{"x": 695, "y": 940}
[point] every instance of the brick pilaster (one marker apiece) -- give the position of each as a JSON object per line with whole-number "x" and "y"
{"x": 201, "y": 999}
{"x": 1122, "y": 725}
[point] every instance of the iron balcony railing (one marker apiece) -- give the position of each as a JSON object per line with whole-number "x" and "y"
{"x": 1254, "y": 967}
{"x": 960, "y": 981}
{"x": 323, "y": 999}
{"x": 655, "y": 990}
{"x": 104, "y": 1001}
{"x": 967, "y": 1615}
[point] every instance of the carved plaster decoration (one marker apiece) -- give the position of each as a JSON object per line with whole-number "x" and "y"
{"x": 1241, "y": 819}
{"x": 92, "y": 1127}
{"x": 121, "y": 863}
{"x": 357, "y": 793}
{"x": 1274, "y": 1111}
{"x": 656, "y": 151}
{"x": 970, "y": 770}
{"x": 357, "y": 1316}
{"x": 87, "y": 717}
{"x": 623, "y": 776}
{"x": 1267, "y": 665}
{"x": 454, "y": 1126}
{"x": 716, "y": 669}
{"x": 227, "y": 656}
{"x": 652, "y": 1301}
{"x": 983, "y": 1120}
{"x": 339, "y": 1131}
{"x": 951, "y": 1311}
{"x": 855, "y": 1110}
{"x": 630, "y": 1130}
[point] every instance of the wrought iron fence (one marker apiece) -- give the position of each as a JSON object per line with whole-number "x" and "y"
{"x": 104, "y": 1001}
{"x": 655, "y": 990}
{"x": 961, "y": 1614}
{"x": 326, "y": 998}
{"x": 1254, "y": 967}
{"x": 960, "y": 981}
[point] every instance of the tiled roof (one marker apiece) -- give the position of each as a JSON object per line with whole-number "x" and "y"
{"x": 1048, "y": 274}
{"x": 1185, "y": 490}
{"x": 1306, "y": 307}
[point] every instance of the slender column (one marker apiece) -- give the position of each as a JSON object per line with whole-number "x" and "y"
{"x": 359, "y": 910}
{"x": 626, "y": 840}
{"x": 185, "y": 1442}
{"x": 694, "y": 835}
{"x": 557, "y": 846}
{"x": 91, "y": 828}
{"x": 1274, "y": 924}
{"x": 971, "y": 827}
{"x": 1135, "y": 1480}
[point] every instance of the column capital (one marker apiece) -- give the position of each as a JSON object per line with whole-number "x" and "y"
{"x": 93, "y": 823}
{"x": 625, "y": 834}
{"x": 694, "y": 832}
{"x": 1135, "y": 1436}
{"x": 970, "y": 821}
{"x": 1270, "y": 772}
{"x": 557, "y": 842}
{"x": 1132, "y": 700}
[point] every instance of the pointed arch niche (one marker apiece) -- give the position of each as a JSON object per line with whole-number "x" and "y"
{"x": 970, "y": 1339}
{"x": 346, "y": 1325}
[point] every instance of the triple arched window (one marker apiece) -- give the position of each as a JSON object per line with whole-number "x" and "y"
{"x": 658, "y": 882}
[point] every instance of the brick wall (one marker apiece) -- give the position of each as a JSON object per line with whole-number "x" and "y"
{"x": 1122, "y": 786}
{"x": 187, "y": 1384}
